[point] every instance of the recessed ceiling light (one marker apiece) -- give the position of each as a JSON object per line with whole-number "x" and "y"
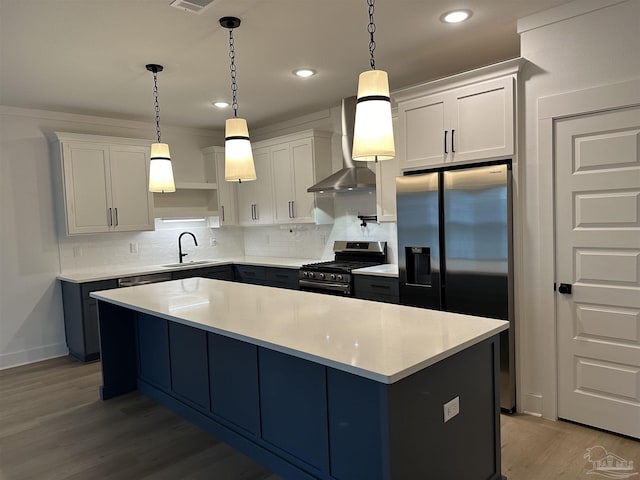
{"x": 304, "y": 72}
{"x": 456, "y": 16}
{"x": 220, "y": 104}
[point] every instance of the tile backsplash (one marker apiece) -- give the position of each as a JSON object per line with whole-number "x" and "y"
{"x": 159, "y": 247}
{"x": 149, "y": 248}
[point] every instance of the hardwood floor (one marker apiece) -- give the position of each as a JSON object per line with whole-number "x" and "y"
{"x": 54, "y": 426}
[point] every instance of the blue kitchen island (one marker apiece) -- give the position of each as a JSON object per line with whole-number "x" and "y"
{"x": 312, "y": 386}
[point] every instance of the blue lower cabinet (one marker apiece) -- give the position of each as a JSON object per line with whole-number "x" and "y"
{"x": 189, "y": 364}
{"x": 153, "y": 351}
{"x": 293, "y": 399}
{"x": 358, "y": 427}
{"x": 233, "y": 371}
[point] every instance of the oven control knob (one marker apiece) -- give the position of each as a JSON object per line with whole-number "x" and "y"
{"x": 305, "y": 274}
{"x": 311, "y": 275}
{"x": 339, "y": 277}
{"x": 333, "y": 276}
{"x": 322, "y": 276}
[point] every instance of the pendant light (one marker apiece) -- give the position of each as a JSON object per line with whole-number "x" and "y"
{"x": 160, "y": 170}
{"x": 373, "y": 130}
{"x": 238, "y": 157}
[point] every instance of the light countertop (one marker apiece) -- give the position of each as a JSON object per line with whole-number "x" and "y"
{"x": 109, "y": 272}
{"x": 385, "y": 270}
{"x": 383, "y": 342}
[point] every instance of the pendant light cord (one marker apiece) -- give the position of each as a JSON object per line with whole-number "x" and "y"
{"x": 234, "y": 85}
{"x": 156, "y": 104}
{"x": 371, "y": 28}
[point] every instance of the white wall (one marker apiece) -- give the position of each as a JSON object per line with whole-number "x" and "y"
{"x": 31, "y": 326}
{"x": 586, "y": 43}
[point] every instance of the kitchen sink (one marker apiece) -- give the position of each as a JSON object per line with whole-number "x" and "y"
{"x": 186, "y": 264}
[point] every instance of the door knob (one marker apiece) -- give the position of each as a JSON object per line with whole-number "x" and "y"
{"x": 565, "y": 288}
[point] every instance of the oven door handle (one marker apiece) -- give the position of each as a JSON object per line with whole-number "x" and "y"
{"x": 336, "y": 287}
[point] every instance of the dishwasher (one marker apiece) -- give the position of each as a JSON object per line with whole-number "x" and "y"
{"x": 143, "y": 279}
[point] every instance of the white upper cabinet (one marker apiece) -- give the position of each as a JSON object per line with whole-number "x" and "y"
{"x": 386, "y": 173}
{"x": 482, "y": 122}
{"x": 295, "y": 165}
{"x": 286, "y": 166}
{"x": 227, "y": 193}
{"x": 467, "y": 117}
{"x": 283, "y": 178}
{"x": 103, "y": 181}
{"x": 217, "y": 196}
{"x": 255, "y": 198}
{"x": 133, "y": 205}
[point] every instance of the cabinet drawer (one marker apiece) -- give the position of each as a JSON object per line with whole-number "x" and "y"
{"x": 381, "y": 289}
{"x": 250, "y": 274}
{"x": 282, "y": 277}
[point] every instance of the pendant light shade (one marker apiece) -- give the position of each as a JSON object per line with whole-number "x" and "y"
{"x": 238, "y": 157}
{"x": 373, "y": 130}
{"x": 160, "y": 168}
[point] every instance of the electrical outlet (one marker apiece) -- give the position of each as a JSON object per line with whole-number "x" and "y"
{"x": 133, "y": 247}
{"x": 451, "y": 409}
{"x": 213, "y": 242}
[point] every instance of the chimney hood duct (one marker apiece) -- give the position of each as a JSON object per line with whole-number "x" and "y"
{"x": 350, "y": 176}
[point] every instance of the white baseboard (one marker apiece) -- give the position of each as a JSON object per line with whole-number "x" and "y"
{"x": 532, "y": 404}
{"x": 15, "y": 359}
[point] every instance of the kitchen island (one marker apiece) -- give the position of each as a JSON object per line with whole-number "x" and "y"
{"x": 312, "y": 386}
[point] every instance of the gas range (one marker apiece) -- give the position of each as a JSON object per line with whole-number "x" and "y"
{"x": 335, "y": 276}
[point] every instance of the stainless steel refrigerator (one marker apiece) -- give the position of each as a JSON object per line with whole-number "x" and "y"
{"x": 455, "y": 248}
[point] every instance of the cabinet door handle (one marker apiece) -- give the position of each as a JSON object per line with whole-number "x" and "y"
{"x": 445, "y": 141}
{"x": 255, "y": 211}
{"x": 293, "y": 213}
{"x": 110, "y": 217}
{"x": 222, "y": 207}
{"x": 453, "y": 141}
{"x": 253, "y": 215}
{"x": 115, "y": 216}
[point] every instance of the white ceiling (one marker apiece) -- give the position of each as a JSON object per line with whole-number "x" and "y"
{"x": 89, "y": 56}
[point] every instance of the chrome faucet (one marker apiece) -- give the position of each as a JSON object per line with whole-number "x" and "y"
{"x": 182, "y": 255}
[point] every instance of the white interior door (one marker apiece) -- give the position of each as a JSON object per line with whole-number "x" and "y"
{"x": 598, "y": 252}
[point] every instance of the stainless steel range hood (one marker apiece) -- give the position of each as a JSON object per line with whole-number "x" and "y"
{"x": 350, "y": 176}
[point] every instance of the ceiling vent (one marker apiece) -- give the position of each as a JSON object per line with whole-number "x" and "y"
{"x": 193, "y": 6}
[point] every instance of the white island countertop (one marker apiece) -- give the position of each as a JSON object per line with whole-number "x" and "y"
{"x": 382, "y": 342}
